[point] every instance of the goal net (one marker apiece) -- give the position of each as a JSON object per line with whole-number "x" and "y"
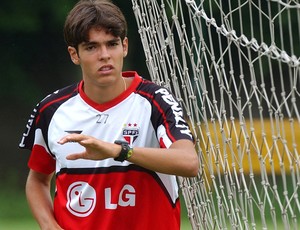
{"x": 234, "y": 66}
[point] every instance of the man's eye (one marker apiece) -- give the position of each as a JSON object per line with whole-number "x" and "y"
{"x": 90, "y": 47}
{"x": 113, "y": 44}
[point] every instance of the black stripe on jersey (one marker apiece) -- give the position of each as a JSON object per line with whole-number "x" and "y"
{"x": 147, "y": 90}
{"x": 113, "y": 169}
{"x": 163, "y": 113}
{"x": 42, "y": 113}
{"x": 102, "y": 170}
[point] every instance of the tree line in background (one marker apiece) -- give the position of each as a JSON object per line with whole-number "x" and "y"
{"x": 33, "y": 63}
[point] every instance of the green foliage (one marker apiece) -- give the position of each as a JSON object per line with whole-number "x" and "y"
{"x": 25, "y": 15}
{"x": 32, "y": 48}
{"x": 34, "y": 60}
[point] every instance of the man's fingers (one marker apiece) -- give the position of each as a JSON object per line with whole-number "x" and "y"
{"x": 71, "y": 138}
{"x": 75, "y": 156}
{"x": 86, "y": 141}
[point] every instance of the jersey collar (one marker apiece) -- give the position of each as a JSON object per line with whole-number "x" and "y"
{"x": 102, "y": 107}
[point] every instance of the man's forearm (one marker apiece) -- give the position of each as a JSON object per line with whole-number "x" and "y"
{"x": 40, "y": 201}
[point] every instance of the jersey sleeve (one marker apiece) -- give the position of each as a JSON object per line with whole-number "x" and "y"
{"x": 169, "y": 117}
{"x": 40, "y": 160}
{"x": 33, "y": 139}
{"x": 27, "y": 139}
{"x": 35, "y": 136}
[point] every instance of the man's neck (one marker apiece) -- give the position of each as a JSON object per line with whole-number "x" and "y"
{"x": 103, "y": 94}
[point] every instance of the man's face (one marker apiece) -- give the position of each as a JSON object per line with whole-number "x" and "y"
{"x": 101, "y": 58}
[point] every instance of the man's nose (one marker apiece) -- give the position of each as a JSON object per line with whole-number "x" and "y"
{"x": 104, "y": 53}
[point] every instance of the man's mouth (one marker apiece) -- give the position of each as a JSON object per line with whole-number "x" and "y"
{"x": 106, "y": 68}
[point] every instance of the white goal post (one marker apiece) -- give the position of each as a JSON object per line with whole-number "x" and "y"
{"x": 234, "y": 66}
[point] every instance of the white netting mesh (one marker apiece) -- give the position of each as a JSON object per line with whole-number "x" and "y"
{"x": 234, "y": 66}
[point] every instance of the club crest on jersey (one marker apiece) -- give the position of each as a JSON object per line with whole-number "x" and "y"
{"x": 130, "y": 132}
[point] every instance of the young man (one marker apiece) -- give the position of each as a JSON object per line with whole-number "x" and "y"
{"x": 114, "y": 141}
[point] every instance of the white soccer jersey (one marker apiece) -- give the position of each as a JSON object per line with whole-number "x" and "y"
{"x": 108, "y": 194}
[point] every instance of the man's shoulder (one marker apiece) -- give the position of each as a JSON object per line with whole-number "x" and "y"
{"x": 61, "y": 94}
{"x": 57, "y": 98}
{"x": 148, "y": 86}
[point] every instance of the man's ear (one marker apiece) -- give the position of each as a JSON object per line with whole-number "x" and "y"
{"x": 125, "y": 47}
{"x": 74, "y": 55}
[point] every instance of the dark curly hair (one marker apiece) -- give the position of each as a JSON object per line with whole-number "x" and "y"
{"x": 87, "y": 14}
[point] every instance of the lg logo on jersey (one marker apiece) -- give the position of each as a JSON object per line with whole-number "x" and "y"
{"x": 82, "y": 198}
{"x": 126, "y": 197}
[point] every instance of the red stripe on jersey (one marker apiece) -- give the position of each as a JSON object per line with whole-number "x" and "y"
{"x": 157, "y": 105}
{"x": 40, "y": 160}
{"x": 161, "y": 143}
{"x": 52, "y": 102}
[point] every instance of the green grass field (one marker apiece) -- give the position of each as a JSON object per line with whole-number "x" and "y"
{"x": 15, "y": 213}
